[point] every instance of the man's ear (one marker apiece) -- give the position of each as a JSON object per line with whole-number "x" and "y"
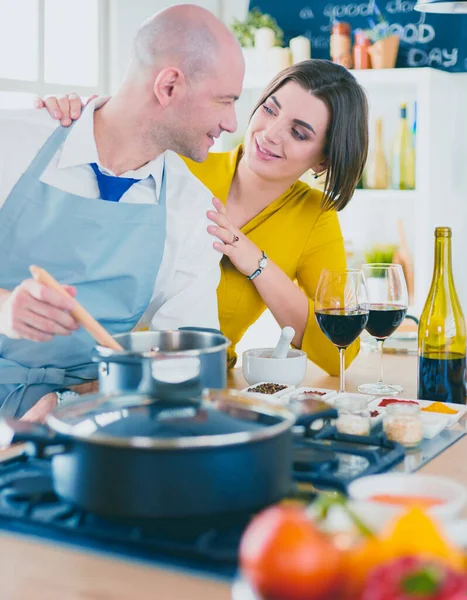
{"x": 169, "y": 83}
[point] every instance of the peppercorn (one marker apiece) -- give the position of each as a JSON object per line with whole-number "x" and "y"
{"x": 267, "y": 388}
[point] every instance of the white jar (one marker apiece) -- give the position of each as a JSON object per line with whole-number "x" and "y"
{"x": 354, "y": 416}
{"x": 402, "y": 423}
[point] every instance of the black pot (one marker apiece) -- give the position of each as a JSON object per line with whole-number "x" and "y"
{"x": 136, "y": 457}
{"x": 135, "y": 369}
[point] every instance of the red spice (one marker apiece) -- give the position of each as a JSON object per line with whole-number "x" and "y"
{"x": 316, "y": 393}
{"x": 387, "y": 401}
{"x": 374, "y": 413}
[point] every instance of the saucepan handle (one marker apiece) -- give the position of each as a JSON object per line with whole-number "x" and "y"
{"x": 13, "y": 430}
{"x": 307, "y": 419}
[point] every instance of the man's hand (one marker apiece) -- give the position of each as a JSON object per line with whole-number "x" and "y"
{"x": 33, "y": 311}
{"x": 40, "y": 410}
{"x": 47, "y": 403}
{"x": 90, "y": 387}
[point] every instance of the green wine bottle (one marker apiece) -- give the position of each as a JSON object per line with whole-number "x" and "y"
{"x": 403, "y": 155}
{"x": 442, "y": 332}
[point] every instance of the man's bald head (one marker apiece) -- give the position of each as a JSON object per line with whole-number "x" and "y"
{"x": 185, "y": 75}
{"x": 186, "y": 36}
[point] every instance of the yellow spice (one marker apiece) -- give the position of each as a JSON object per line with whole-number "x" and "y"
{"x": 439, "y": 407}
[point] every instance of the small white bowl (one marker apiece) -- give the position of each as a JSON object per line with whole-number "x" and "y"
{"x": 377, "y": 514}
{"x": 258, "y": 366}
{"x": 324, "y": 394}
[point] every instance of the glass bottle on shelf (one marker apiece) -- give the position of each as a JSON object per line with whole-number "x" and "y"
{"x": 361, "y": 56}
{"x": 442, "y": 332}
{"x": 403, "y": 155}
{"x": 341, "y": 45}
{"x": 377, "y": 177}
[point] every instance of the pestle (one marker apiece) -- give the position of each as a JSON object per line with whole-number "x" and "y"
{"x": 282, "y": 348}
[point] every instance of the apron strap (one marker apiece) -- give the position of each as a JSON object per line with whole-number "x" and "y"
{"x": 48, "y": 375}
{"x": 30, "y": 384}
{"x": 48, "y": 150}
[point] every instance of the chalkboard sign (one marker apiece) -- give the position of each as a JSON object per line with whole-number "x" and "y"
{"x": 427, "y": 40}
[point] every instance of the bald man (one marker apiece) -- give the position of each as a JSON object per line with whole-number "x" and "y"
{"x": 110, "y": 210}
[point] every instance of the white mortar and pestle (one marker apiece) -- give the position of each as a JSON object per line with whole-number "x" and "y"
{"x": 275, "y": 365}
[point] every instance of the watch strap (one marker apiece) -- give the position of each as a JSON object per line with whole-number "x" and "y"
{"x": 261, "y": 266}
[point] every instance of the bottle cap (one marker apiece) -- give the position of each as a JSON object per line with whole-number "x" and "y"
{"x": 443, "y": 232}
{"x": 341, "y": 28}
{"x": 361, "y": 38}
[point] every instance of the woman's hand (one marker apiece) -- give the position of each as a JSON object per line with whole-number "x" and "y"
{"x": 243, "y": 253}
{"x": 66, "y": 108}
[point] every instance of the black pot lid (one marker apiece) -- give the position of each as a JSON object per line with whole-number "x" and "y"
{"x": 222, "y": 417}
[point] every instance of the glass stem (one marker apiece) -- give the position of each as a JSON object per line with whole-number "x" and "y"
{"x": 380, "y": 351}
{"x": 342, "y": 370}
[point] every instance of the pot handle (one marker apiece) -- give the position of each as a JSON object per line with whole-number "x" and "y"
{"x": 124, "y": 359}
{"x": 202, "y": 329}
{"x": 13, "y": 430}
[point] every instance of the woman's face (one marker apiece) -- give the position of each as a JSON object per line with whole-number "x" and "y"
{"x": 287, "y": 134}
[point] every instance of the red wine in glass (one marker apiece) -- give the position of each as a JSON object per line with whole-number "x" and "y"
{"x": 341, "y": 309}
{"x": 340, "y": 326}
{"x": 388, "y": 300}
{"x": 384, "y": 319}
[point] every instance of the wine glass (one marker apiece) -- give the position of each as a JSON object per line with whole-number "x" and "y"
{"x": 341, "y": 309}
{"x": 387, "y": 292}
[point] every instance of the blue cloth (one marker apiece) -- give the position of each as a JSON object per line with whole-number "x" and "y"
{"x": 112, "y": 188}
{"x": 110, "y": 251}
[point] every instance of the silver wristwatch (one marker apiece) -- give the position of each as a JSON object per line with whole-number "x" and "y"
{"x": 65, "y": 395}
{"x": 262, "y": 264}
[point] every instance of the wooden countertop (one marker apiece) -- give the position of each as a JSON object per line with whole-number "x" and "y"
{"x": 31, "y": 569}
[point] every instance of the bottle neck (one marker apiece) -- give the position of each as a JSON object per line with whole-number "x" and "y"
{"x": 379, "y": 133}
{"x": 443, "y": 264}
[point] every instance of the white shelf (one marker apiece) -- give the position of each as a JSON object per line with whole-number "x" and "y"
{"x": 371, "y": 77}
{"x": 385, "y": 195}
{"x": 397, "y": 77}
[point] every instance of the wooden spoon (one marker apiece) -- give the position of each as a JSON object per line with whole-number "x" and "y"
{"x": 89, "y": 323}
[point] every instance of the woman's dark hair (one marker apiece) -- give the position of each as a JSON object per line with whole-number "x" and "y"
{"x": 347, "y": 135}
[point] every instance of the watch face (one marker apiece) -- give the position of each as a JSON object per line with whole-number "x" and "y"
{"x": 263, "y": 262}
{"x": 66, "y": 395}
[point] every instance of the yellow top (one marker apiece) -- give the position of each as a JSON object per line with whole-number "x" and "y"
{"x": 298, "y": 236}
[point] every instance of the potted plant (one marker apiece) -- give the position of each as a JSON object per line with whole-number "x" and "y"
{"x": 385, "y": 45}
{"x": 244, "y": 31}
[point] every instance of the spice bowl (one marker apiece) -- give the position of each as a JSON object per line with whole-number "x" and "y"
{"x": 378, "y": 499}
{"x": 258, "y": 366}
{"x": 268, "y": 390}
{"x": 403, "y": 428}
{"x": 316, "y": 393}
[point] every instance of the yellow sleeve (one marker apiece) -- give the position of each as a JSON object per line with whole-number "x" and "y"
{"x": 324, "y": 250}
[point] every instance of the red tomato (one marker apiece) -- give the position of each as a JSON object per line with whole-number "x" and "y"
{"x": 285, "y": 557}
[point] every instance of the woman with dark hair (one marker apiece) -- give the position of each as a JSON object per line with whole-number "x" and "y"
{"x": 313, "y": 115}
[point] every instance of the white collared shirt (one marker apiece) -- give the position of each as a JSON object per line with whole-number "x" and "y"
{"x": 185, "y": 288}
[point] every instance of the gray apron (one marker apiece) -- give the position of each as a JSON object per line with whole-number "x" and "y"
{"x": 110, "y": 251}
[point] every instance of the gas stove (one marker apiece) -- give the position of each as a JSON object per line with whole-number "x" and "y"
{"x": 29, "y": 505}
